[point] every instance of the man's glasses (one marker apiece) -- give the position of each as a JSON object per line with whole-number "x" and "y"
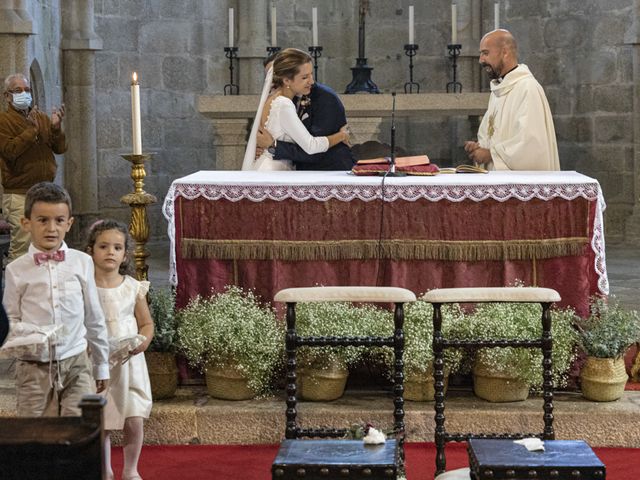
{"x": 19, "y": 90}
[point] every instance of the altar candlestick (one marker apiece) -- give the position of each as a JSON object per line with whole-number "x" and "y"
{"x": 274, "y": 37}
{"x": 136, "y": 130}
{"x": 496, "y": 15}
{"x": 454, "y": 23}
{"x": 231, "y": 27}
{"x": 411, "y": 25}
{"x": 314, "y": 22}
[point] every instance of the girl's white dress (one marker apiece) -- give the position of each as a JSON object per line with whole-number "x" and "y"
{"x": 129, "y": 390}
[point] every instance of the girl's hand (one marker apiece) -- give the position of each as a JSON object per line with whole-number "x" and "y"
{"x": 140, "y": 348}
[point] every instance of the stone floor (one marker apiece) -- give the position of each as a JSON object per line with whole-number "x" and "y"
{"x": 193, "y": 417}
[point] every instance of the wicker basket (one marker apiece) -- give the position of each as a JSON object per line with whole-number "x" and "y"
{"x": 603, "y": 379}
{"x": 319, "y": 385}
{"x": 163, "y": 374}
{"x": 418, "y": 387}
{"x": 227, "y": 384}
{"x": 496, "y": 386}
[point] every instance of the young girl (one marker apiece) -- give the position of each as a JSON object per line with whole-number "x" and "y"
{"x": 124, "y": 302}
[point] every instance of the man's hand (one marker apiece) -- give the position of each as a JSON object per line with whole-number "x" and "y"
{"x": 101, "y": 385}
{"x": 264, "y": 139}
{"x": 471, "y": 146}
{"x": 32, "y": 118}
{"x": 481, "y": 155}
{"x": 56, "y": 118}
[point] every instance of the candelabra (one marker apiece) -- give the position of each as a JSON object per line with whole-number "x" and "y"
{"x": 454, "y": 86}
{"x": 138, "y": 201}
{"x": 410, "y": 51}
{"x": 316, "y": 52}
{"x": 272, "y": 51}
{"x": 231, "y": 88}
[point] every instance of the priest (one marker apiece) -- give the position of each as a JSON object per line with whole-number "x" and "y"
{"x": 517, "y": 130}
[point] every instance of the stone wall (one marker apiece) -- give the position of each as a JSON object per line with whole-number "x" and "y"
{"x": 172, "y": 46}
{"x": 580, "y": 50}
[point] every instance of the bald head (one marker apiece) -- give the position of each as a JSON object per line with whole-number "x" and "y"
{"x": 498, "y": 53}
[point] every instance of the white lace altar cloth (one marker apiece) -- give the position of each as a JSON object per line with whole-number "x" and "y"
{"x": 344, "y": 186}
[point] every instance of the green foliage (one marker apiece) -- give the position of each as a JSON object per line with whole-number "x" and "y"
{"x": 233, "y": 328}
{"x": 163, "y": 311}
{"x": 418, "y": 348}
{"x": 494, "y": 321}
{"x": 609, "y": 330}
{"x": 338, "y": 319}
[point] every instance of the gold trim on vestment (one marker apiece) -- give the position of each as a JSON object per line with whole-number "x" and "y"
{"x": 461, "y": 250}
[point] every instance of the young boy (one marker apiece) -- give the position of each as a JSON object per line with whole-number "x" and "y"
{"x": 53, "y": 284}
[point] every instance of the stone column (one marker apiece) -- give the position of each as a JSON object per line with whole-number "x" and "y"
{"x": 79, "y": 43}
{"x": 632, "y": 227}
{"x": 469, "y": 35}
{"x": 252, "y": 44}
{"x": 15, "y": 27}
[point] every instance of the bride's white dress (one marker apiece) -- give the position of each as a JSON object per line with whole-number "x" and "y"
{"x": 284, "y": 126}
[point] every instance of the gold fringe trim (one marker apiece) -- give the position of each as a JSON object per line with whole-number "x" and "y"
{"x": 389, "y": 249}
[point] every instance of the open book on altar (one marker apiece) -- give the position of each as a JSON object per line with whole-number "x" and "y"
{"x": 415, "y": 165}
{"x": 464, "y": 169}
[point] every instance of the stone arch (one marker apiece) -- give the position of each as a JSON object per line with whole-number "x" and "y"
{"x": 37, "y": 85}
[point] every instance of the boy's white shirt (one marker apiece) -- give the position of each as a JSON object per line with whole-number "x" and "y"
{"x": 61, "y": 293}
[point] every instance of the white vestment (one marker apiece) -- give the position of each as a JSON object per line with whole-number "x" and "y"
{"x": 283, "y": 125}
{"x": 518, "y": 127}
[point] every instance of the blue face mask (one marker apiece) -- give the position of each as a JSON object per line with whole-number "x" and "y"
{"x": 21, "y": 100}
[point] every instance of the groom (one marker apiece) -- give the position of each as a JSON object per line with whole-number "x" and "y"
{"x": 322, "y": 114}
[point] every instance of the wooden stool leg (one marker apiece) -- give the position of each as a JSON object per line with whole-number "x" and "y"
{"x": 547, "y": 372}
{"x": 291, "y": 431}
{"x": 438, "y": 377}
{"x": 398, "y": 376}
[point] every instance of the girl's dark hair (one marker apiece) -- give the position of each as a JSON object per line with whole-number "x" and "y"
{"x": 287, "y": 64}
{"x": 100, "y": 226}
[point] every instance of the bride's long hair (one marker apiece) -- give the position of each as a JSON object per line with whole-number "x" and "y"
{"x": 287, "y": 65}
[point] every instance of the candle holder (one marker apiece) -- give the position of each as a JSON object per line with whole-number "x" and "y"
{"x": 410, "y": 51}
{"x": 231, "y": 88}
{"x": 138, "y": 201}
{"x": 316, "y": 52}
{"x": 454, "y": 86}
{"x": 272, "y": 51}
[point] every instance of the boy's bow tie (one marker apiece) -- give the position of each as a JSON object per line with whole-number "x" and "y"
{"x": 43, "y": 257}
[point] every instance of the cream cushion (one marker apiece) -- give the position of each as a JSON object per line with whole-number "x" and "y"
{"x": 459, "y": 474}
{"x": 492, "y": 294}
{"x": 345, "y": 294}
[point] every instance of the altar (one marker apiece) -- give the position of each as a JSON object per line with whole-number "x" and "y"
{"x": 273, "y": 230}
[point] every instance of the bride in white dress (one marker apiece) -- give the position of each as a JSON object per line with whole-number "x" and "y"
{"x": 291, "y": 75}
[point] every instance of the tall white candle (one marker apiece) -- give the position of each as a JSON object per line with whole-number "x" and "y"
{"x": 231, "y": 27}
{"x": 454, "y": 23}
{"x": 411, "y": 26}
{"x": 136, "y": 130}
{"x": 496, "y": 15}
{"x": 274, "y": 36}
{"x": 314, "y": 25}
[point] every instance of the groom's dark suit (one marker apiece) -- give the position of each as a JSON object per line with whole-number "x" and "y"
{"x": 326, "y": 116}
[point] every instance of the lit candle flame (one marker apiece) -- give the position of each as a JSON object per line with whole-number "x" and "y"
{"x": 134, "y": 78}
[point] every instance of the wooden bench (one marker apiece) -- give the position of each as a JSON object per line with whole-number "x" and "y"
{"x": 546, "y": 297}
{"x": 333, "y": 457}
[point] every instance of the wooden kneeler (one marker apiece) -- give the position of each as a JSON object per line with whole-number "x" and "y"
{"x": 332, "y": 457}
{"x": 546, "y": 297}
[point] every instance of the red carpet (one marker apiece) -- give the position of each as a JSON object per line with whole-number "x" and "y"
{"x": 253, "y": 462}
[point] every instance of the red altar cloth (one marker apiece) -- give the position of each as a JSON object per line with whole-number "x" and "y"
{"x": 270, "y": 232}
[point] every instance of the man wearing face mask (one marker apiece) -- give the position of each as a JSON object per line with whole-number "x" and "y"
{"x": 28, "y": 141}
{"x": 517, "y": 131}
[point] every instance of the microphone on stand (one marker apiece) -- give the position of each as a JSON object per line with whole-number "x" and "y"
{"x": 392, "y": 159}
{"x": 392, "y": 167}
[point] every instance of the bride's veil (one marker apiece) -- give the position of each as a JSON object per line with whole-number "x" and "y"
{"x": 250, "y": 152}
